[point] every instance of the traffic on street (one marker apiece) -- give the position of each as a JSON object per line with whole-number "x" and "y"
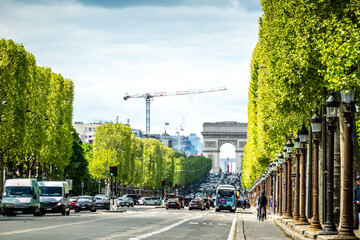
{"x": 199, "y": 217}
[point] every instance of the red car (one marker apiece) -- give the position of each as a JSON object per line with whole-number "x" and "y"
{"x": 72, "y": 201}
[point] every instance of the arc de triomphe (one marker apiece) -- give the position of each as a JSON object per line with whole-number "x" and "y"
{"x": 217, "y": 134}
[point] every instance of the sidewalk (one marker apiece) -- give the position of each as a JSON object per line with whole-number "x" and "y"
{"x": 250, "y": 228}
{"x": 299, "y": 232}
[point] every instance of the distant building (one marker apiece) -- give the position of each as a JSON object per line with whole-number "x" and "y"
{"x": 86, "y": 131}
{"x": 189, "y": 145}
{"x": 196, "y": 144}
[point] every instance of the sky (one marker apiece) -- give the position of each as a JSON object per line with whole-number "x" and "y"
{"x": 113, "y": 47}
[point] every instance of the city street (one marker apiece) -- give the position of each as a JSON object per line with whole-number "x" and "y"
{"x": 140, "y": 223}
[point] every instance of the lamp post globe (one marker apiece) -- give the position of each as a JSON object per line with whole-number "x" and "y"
{"x": 303, "y": 134}
{"x": 316, "y": 122}
{"x": 332, "y": 105}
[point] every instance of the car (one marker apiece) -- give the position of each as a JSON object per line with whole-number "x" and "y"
{"x": 197, "y": 204}
{"x": 173, "y": 203}
{"x": 149, "y": 201}
{"x": 102, "y": 201}
{"x": 125, "y": 201}
{"x": 135, "y": 197}
{"x": 85, "y": 203}
{"x": 72, "y": 202}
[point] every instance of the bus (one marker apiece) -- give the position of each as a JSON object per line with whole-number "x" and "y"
{"x": 225, "y": 198}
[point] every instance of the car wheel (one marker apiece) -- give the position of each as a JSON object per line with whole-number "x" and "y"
{"x": 144, "y": 203}
{"x": 166, "y": 208}
{"x": 190, "y": 209}
{"x": 77, "y": 210}
{"x": 68, "y": 213}
{"x": 128, "y": 205}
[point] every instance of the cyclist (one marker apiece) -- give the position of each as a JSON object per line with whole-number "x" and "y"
{"x": 262, "y": 202}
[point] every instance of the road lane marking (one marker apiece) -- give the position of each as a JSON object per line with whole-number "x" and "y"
{"x": 233, "y": 227}
{"x": 49, "y": 227}
{"x": 164, "y": 229}
{"x": 193, "y": 223}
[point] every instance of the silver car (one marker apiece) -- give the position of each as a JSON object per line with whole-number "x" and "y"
{"x": 125, "y": 201}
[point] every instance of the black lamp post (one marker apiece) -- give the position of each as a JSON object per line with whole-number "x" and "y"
{"x": 346, "y": 215}
{"x": 316, "y": 124}
{"x": 303, "y": 137}
{"x": 332, "y": 105}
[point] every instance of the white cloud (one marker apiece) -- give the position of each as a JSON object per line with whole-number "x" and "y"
{"x": 110, "y": 51}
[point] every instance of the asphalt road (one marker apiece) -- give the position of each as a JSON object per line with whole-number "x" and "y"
{"x": 136, "y": 223}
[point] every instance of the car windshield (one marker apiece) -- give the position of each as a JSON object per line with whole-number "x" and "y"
{"x": 121, "y": 199}
{"x": 100, "y": 198}
{"x": 195, "y": 201}
{"x": 18, "y": 191}
{"x": 226, "y": 192}
{"x": 173, "y": 200}
{"x": 83, "y": 200}
{"x": 50, "y": 191}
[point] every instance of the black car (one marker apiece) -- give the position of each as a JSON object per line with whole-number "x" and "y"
{"x": 85, "y": 203}
{"x": 173, "y": 203}
{"x": 197, "y": 204}
{"x": 102, "y": 201}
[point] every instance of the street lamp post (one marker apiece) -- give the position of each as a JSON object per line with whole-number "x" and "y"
{"x": 289, "y": 150}
{"x": 346, "y": 223}
{"x": 316, "y": 124}
{"x": 303, "y": 135}
{"x": 332, "y": 105}
{"x": 297, "y": 179}
{"x": 280, "y": 162}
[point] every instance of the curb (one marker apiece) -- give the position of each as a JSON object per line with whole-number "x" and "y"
{"x": 113, "y": 211}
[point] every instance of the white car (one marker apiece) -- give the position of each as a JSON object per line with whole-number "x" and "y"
{"x": 149, "y": 201}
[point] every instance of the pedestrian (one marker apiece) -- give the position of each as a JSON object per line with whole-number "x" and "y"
{"x": 357, "y": 196}
{"x": 270, "y": 204}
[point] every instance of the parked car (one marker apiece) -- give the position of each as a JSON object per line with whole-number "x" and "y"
{"x": 102, "y": 201}
{"x": 149, "y": 201}
{"x": 173, "y": 203}
{"x": 197, "y": 204}
{"x": 54, "y": 197}
{"x": 85, "y": 203}
{"x": 135, "y": 197}
{"x": 125, "y": 201}
{"x": 72, "y": 202}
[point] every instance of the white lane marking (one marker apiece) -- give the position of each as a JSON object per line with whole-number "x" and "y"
{"x": 221, "y": 224}
{"x": 164, "y": 229}
{"x": 50, "y": 227}
{"x": 232, "y": 230}
{"x": 193, "y": 223}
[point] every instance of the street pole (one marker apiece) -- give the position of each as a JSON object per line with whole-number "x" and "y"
{"x": 302, "y": 218}
{"x": 285, "y": 208}
{"x": 346, "y": 223}
{"x": 297, "y": 188}
{"x": 329, "y": 227}
{"x": 315, "y": 223}
{"x": 288, "y": 212}
{"x": 280, "y": 192}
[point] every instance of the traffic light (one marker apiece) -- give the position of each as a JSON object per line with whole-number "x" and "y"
{"x": 176, "y": 184}
{"x": 162, "y": 182}
{"x": 113, "y": 171}
{"x": 184, "y": 187}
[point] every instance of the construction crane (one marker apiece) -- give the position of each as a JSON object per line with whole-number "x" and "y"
{"x": 149, "y": 96}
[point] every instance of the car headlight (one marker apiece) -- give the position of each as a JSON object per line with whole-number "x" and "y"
{"x": 59, "y": 204}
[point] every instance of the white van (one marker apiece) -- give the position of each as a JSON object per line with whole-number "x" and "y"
{"x": 21, "y": 196}
{"x": 54, "y": 197}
